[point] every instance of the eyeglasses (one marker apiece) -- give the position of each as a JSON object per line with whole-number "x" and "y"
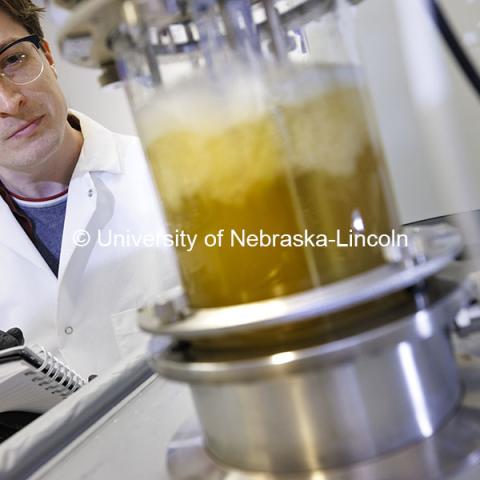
{"x": 20, "y": 61}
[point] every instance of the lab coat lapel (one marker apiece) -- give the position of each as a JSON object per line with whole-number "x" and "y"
{"x": 85, "y": 197}
{"x": 13, "y": 237}
{"x": 78, "y": 233}
{"x": 91, "y": 209}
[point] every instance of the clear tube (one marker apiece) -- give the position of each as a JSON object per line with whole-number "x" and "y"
{"x": 262, "y": 151}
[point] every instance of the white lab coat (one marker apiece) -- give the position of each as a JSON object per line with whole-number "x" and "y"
{"x": 87, "y": 315}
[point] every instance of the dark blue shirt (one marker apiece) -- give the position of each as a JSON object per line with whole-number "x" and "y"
{"x": 47, "y": 218}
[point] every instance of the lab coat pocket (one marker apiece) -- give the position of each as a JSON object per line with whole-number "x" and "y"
{"x": 128, "y": 335}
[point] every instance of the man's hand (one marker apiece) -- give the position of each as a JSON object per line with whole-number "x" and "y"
{"x": 11, "y": 338}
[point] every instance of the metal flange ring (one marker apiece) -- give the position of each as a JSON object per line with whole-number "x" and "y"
{"x": 430, "y": 249}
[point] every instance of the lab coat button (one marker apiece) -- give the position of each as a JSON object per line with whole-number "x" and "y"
{"x": 69, "y": 330}
{"x": 91, "y": 192}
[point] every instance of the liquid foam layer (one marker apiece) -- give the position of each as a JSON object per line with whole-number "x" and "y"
{"x": 225, "y": 139}
{"x": 209, "y": 107}
{"x": 205, "y": 107}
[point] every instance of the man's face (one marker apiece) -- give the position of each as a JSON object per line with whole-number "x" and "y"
{"x": 41, "y": 102}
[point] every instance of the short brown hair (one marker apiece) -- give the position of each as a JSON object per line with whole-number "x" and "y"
{"x": 25, "y": 13}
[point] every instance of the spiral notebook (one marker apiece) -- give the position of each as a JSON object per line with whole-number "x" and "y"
{"x": 33, "y": 380}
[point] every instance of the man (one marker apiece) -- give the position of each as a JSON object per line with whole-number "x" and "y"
{"x": 68, "y": 189}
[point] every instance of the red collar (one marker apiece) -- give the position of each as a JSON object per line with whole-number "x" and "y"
{"x": 44, "y": 199}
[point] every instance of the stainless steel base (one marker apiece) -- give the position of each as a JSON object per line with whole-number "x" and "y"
{"x": 331, "y": 405}
{"x": 452, "y": 451}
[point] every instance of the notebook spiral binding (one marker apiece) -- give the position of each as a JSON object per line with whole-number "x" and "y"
{"x": 54, "y": 376}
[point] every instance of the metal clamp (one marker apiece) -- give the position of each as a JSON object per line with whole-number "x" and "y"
{"x": 467, "y": 321}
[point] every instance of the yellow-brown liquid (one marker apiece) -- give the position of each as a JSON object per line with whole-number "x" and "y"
{"x": 339, "y": 179}
{"x": 305, "y": 165}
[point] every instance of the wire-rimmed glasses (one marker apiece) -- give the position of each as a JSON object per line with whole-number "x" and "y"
{"x": 20, "y": 61}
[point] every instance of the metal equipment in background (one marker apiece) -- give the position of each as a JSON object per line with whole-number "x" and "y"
{"x": 304, "y": 362}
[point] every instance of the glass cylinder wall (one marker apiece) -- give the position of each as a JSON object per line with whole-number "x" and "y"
{"x": 253, "y": 117}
